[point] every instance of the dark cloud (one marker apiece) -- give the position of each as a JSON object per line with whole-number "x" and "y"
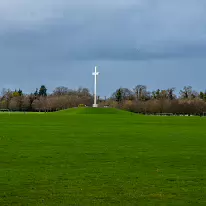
{"x": 46, "y": 36}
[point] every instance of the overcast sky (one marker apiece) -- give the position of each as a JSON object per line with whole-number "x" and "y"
{"x": 158, "y": 43}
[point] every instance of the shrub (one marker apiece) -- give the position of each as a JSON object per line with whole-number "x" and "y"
{"x": 82, "y": 105}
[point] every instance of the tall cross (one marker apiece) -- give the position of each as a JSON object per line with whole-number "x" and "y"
{"x": 95, "y": 87}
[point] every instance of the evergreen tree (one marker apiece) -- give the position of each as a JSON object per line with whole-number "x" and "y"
{"x": 43, "y": 91}
{"x": 20, "y": 92}
{"x": 36, "y": 93}
{"x": 119, "y": 95}
{"x": 157, "y": 94}
{"x": 201, "y": 95}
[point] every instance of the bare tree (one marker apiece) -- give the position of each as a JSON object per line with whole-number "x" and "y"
{"x": 170, "y": 93}
{"x": 13, "y": 104}
{"x": 59, "y": 91}
{"x": 186, "y": 92}
{"x": 26, "y": 103}
{"x": 83, "y": 92}
{"x": 7, "y": 95}
{"x": 39, "y": 105}
{"x": 140, "y": 91}
{"x": 127, "y": 94}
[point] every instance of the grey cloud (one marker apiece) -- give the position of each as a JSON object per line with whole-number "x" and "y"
{"x": 57, "y": 39}
{"x": 119, "y": 30}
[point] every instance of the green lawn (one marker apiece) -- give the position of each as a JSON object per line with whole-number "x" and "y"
{"x": 85, "y": 157}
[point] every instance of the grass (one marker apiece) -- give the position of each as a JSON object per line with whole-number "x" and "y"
{"x": 90, "y": 111}
{"x": 111, "y": 158}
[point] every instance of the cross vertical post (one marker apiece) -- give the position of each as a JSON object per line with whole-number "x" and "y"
{"x": 95, "y": 87}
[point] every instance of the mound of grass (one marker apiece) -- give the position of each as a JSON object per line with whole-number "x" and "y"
{"x": 90, "y": 110}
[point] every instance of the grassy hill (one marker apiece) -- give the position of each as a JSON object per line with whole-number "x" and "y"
{"x": 89, "y": 110}
{"x": 106, "y": 159}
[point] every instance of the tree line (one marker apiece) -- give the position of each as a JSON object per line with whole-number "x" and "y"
{"x": 40, "y": 100}
{"x": 139, "y": 100}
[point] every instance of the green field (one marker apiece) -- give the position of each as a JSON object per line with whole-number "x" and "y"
{"x": 101, "y": 157}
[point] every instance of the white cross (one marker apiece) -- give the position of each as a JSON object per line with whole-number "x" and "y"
{"x": 95, "y": 87}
